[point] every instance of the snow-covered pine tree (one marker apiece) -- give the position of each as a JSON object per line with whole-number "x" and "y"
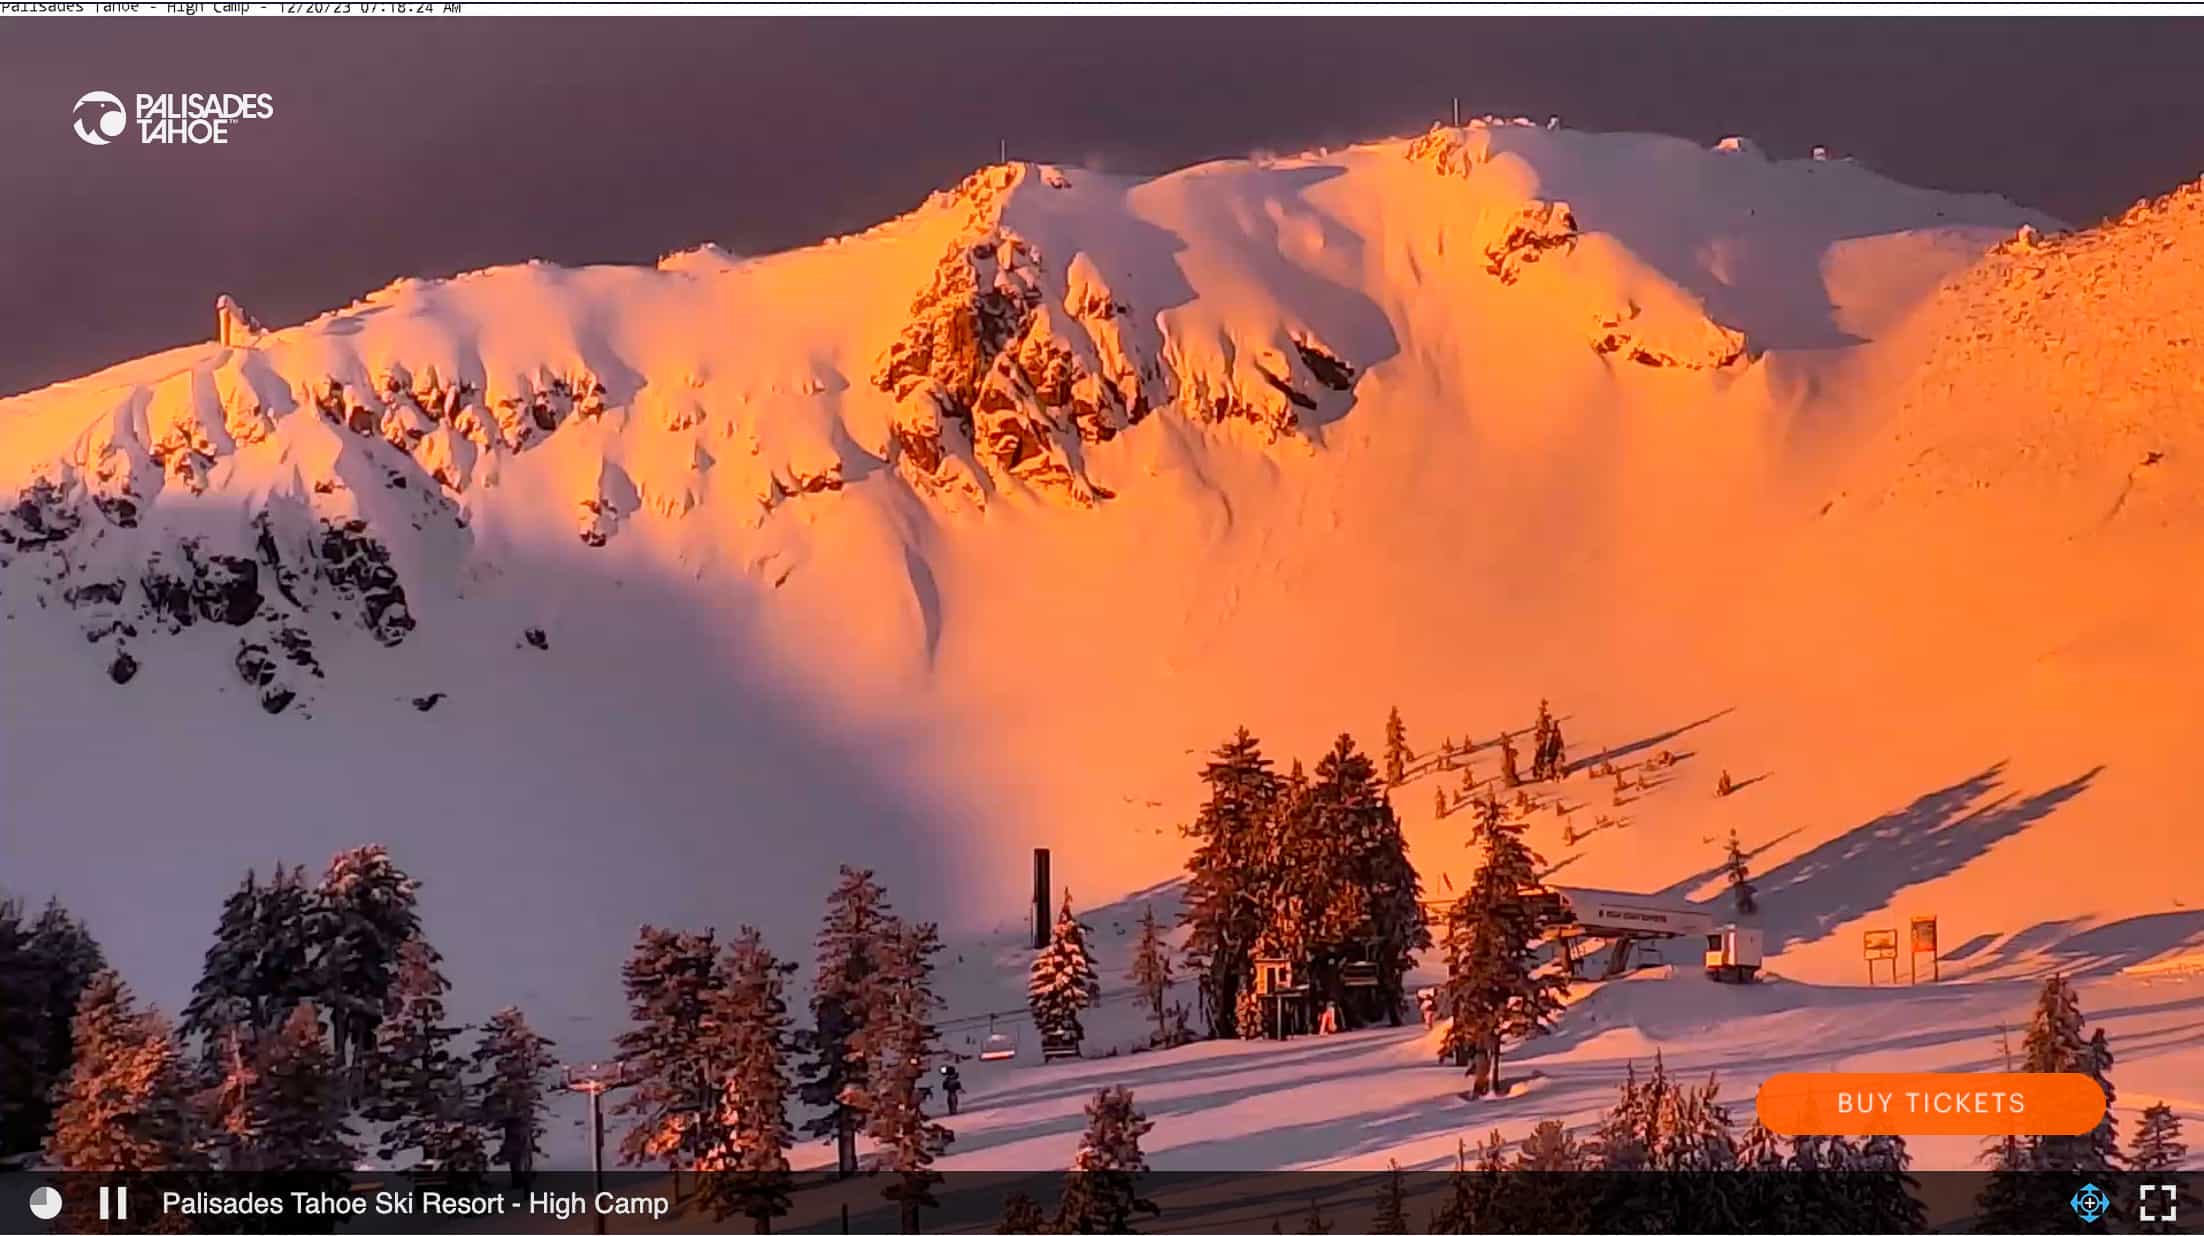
{"x": 1884, "y": 1198}
{"x": 2058, "y": 1042}
{"x": 419, "y": 1090}
{"x": 1494, "y": 987}
{"x": 1509, "y": 775}
{"x": 747, "y": 1174}
{"x": 1227, "y": 893}
{"x": 849, "y": 945}
{"x": 1062, "y": 981}
{"x": 1396, "y": 748}
{"x": 1550, "y": 1147}
{"x": 1101, "y": 1192}
{"x": 1557, "y": 752}
{"x": 512, "y": 1065}
{"x": 1741, "y": 887}
{"x": 672, "y": 980}
{"x": 1392, "y": 1203}
{"x": 1438, "y": 803}
{"x": 1546, "y": 1196}
{"x": 901, "y": 1041}
{"x": 1150, "y": 974}
{"x": 2156, "y": 1146}
{"x": 365, "y": 911}
{"x": 124, "y": 1104}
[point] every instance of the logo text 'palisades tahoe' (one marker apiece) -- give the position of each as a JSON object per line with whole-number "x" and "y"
{"x": 185, "y": 119}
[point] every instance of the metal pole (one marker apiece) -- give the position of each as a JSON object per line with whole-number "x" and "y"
{"x": 597, "y": 1155}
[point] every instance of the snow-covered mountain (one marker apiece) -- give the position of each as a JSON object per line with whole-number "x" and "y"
{"x": 614, "y": 594}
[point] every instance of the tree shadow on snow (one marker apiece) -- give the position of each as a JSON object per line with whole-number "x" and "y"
{"x": 1931, "y": 837}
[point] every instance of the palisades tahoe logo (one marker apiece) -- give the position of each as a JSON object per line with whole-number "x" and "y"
{"x": 101, "y": 117}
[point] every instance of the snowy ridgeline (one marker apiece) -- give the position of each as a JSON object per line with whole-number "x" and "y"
{"x": 993, "y": 344}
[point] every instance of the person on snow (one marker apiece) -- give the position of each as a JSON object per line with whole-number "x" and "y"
{"x": 951, "y": 1086}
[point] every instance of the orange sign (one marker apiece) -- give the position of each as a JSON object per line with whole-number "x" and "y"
{"x": 1880, "y": 945}
{"x": 1960, "y": 1104}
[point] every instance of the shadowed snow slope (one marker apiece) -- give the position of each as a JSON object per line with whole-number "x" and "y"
{"x": 974, "y": 532}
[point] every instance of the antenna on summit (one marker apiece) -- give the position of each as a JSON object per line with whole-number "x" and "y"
{"x": 1002, "y": 150}
{"x": 1457, "y": 111}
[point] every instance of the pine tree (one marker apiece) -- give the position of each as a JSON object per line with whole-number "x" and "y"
{"x": 1550, "y": 1148}
{"x": 1509, "y": 776}
{"x": 1342, "y": 886}
{"x": 1392, "y": 1206}
{"x": 1100, "y": 1193}
{"x": 419, "y": 1082}
{"x": 1062, "y": 981}
{"x": 748, "y": 1173}
{"x": 900, "y": 1040}
{"x": 1021, "y": 1214}
{"x": 23, "y": 1084}
{"x": 1396, "y": 749}
{"x": 2156, "y": 1146}
{"x": 673, "y": 980}
{"x": 849, "y": 946}
{"x": 1549, "y": 755}
{"x": 227, "y": 997}
{"x": 2055, "y": 1043}
{"x": 1227, "y": 889}
{"x": 1884, "y": 1188}
{"x": 275, "y": 1106}
{"x": 64, "y": 957}
{"x": 512, "y": 1064}
{"x": 1723, "y": 785}
{"x": 1150, "y": 974}
{"x": 2008, "y": 1201}
{"x": 1545, "y": 1197}
{"x": 1494, "y": 988}
{"x": 302, "y": 1092}
{"x": 124, "y": 1104}
{"x": 1314, "y": 1222}
{"x": 1741, "y": 889}
{"x": 365, "y": 911}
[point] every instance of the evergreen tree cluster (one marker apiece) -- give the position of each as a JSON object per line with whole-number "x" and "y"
{"x": 1665, "y": 1157}
{"x": 269, "y": 1070}
{"x": 1308, "y": 869}
{"x": 711, "y": 1059}
{"x": 45, "y": 968}
{"x": 2031, "y": 1175}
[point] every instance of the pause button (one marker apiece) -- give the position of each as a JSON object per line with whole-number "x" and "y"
{"x": 118, "y": 1198}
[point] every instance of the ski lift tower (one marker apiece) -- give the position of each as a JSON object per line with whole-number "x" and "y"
{"x": 594, "y": 1080}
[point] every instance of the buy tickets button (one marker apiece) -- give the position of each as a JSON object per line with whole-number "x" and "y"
{"x": 1970, "y": 1104}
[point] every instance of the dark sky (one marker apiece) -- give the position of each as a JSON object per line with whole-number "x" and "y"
{"x": 433, "y": 146}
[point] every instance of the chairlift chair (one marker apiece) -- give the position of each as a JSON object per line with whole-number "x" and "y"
{"x": 997, "y": 1045}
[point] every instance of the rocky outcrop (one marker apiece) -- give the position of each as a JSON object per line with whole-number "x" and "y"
{"x": 1538, "y": 228}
